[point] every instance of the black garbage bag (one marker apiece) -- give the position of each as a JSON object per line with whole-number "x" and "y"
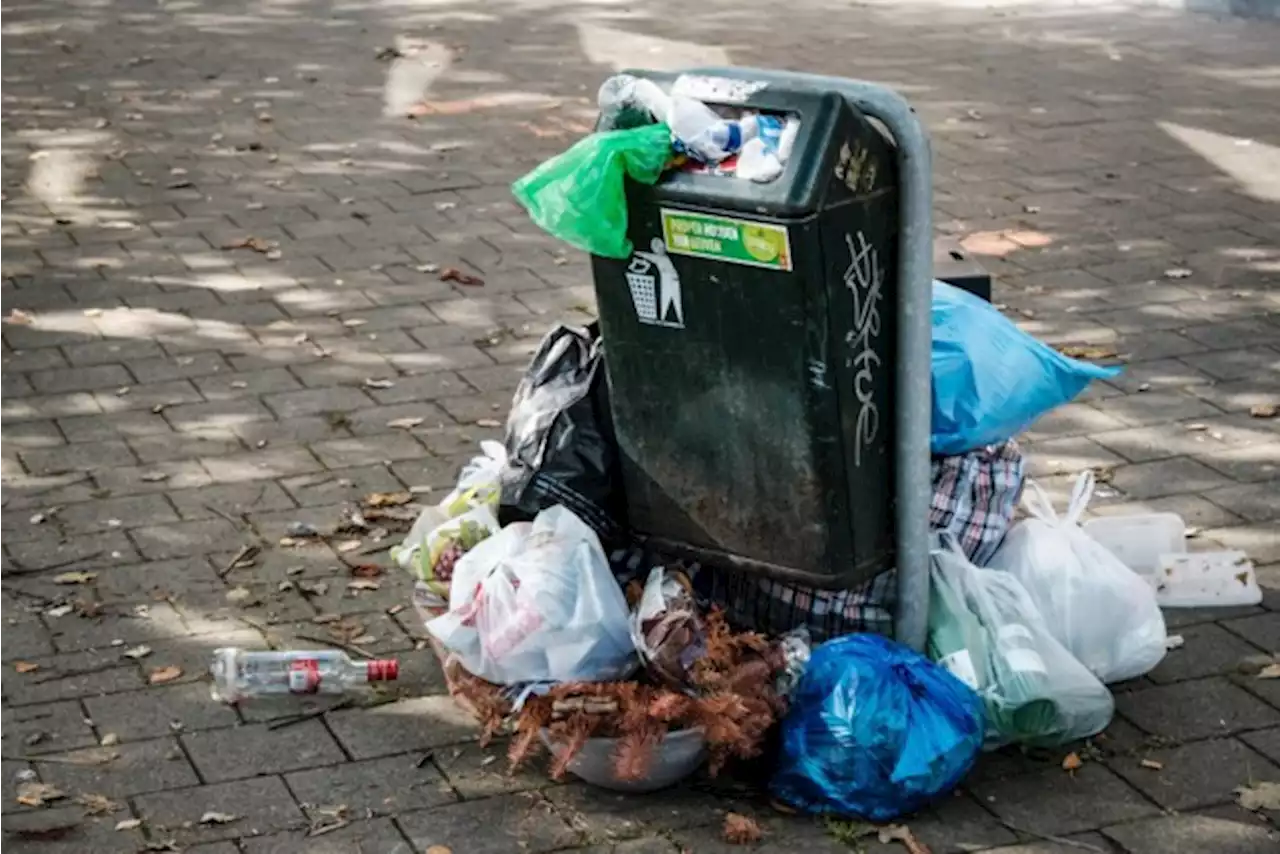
{"x": 560, "y": 443}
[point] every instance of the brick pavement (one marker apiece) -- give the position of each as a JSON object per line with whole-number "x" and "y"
{"x": 167, "y": 387}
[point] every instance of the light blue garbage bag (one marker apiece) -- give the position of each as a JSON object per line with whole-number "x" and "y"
{"x": 991, "y": 380}
{"x": 875, "y": 730}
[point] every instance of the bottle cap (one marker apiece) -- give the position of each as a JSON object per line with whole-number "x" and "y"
{"x": 384, "y": 670}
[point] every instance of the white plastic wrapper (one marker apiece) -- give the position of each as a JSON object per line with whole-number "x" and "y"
{"x": 1102, "y": 611}
{"x": 537, "y": 602}
{"x": 477, "y": 487}
{"x": 1035, "y": 691}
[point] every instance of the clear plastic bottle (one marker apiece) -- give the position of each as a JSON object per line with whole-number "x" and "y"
{"x": 627, "y": 101}
{"x": 240, "y": 674}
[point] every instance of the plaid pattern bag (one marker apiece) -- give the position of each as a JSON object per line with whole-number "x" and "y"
{"x": 974, "y": 497}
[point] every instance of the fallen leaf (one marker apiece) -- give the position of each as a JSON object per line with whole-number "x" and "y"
{"x": 1072, "y": 762}
{"x": 363, "y": 584}
{"x": 1259, "y": 796}
{"x": 439, "y": 849}
{"x": 366, "y": 570}
{"x": 109, "y": 739}
{"x": 1083, "y": 351}
{"x": 404, "y": 423}
{"x": 38, "y": 794}
{"x": 1177, "y": 273}
{"x": 348, "y": 545}
{"x": 239, "y": 595}
{"x": 58, "y": 611}
{"x": 257, "y": 244}
{"x": 313, "y": 588}
{"x": 98, "y": 804}
{"x": 74, "y": 577}
{"x": 374, "y": 382}
{"x": 153, "y": 477}
{"x": 488, "y": 422}
{"x": 129, "y": 824}
{"x": 18, "y": 317}
{"x": 26, "y": 666}
{"x": 1264, "y": 410}
{"x": 212, "y": 817}
{"x": 741, "y": 829}
{"x": 1271, "y": 671}
{"x": 1197, "y": 427}
{"x": 453, "y": 274}
{"x": 90, "y": 756}
{"x": 302, "y": 529}
{"x": 902, "y": 833}
{"x": 387, "y": 499}
{"x": 428, "y": 268}
{"x": 1152, "y": 764}
{"x": 161, "y": 675}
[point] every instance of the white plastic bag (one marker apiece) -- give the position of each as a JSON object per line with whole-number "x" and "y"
{"x": 1034, "y": 690}
{"x": 1102, "y": 611}
{"x": 477, "y": 486}
{"x": 537, "y": 602}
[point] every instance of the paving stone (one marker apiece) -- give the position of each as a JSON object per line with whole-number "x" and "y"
{"x": 253, "y": 750}
{"x": 1195, "y": 775}
{"x": 232, "y": 499}
{"x": 82, "y": 378}
{"x": 1158, "y": 407}
{"x": 1258, "y": 502}
{"x": 781, "y": 835}
{"x": 68, "y": 830}
{"x": 1266, "y": 742}
{"x": 153, "y": 477}
{"x": 338, "y": 485}
{"x": 263, "y": 804}
{"x": 120, "y": 425}
{"x": 1202, "y": 708}
{"x": 367, "y": 450}
{"x": 481, "y": 772}
{"x": 149, "y": 396}
{"x": 1208, "y": 650}
{"x": 1195, "y": 511}
{"x": 231, "y": 385}
{"x": 289, "y": 404}
{"x": 1191, "y": 834}
{"x": 113, "y": 513}
{"x": 224, "y": 414}
{"x": 82, "y": 456}
{"x": 157, "y": 542}
{"x": 116, "y": 627}
{"x": 159, "y": 711}
{"x": 34, "y": 434}
{"x": 379, "y": 835}
{"x": 1259, "y": 540}
{"x": 1176, "y": 618}
{"x": 1166, "y": 477}
{"x": 1051, "y": 803}
{"x": 288, "y": 430}
{"x": 404, "y": 726}
{"x": 491, "y": 826}
{"x": 49, "y": 406}
{"x": 111, "y": 350}
{"x": 1262, "y": 630}
{"x": 380, "y": 786}
{"x": 1070, "y": 846}
{"x": 33, "y": 730}
{"x": 72, "y": 675}
{"x": 76, "y": 552}
{"x": 604, "y": 815}
{"x": 141, "y": 767}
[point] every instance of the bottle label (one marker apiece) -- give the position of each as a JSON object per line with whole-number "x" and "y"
{"x": 960, "y": 663}
{"x": 304, "y": 676}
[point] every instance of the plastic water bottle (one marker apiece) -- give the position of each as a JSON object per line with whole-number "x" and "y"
{"x": 623, "y": 98}
{"x": 703, "y": 133}
{"x": 240, "y": 674}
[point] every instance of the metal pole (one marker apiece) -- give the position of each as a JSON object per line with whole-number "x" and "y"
{"x": 915, "y": 291}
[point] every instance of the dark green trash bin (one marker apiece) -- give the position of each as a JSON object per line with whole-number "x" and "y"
{"x": 750, "y": 343}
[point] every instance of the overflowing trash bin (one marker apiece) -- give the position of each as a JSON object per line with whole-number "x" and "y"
{"x": 694, "y": 534}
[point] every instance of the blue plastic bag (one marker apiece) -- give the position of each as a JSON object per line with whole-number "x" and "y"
{"x": 876, "y": 731}
{"x": 991, "y": 380}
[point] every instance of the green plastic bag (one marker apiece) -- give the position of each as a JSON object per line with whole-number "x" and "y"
{"x": 580, "y": 197}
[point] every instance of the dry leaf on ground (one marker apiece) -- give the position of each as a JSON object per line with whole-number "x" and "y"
{"x": 1259, "y": 796}
{"x": 239, "y": 595}
{"x": 1152, "y": 764}
{"x": 212, "y": 817}
{"x": 136, "y": 652}
{"x": 1087, "y": 351}
{"x": 25, "y": 666}
{"x": 1264, "y": 410}
{"x": 439, "y": 849}
{"x": 19, "y": 317}
{"x": 366, "y": 570}
{"x": 161, "y": 675}
{"x": 488, "y": 422}
{"x": 404, "y": 423}
{"x": 1177, "y": 273}
{"x": 387, "y": 499}
{"x": 257, "y": 244}
{"x": 453, "y": 274}
{"x": 1072, "y": 762}
{"x": 348, "y": 545}
{"x": 741, "y": 829}
{"x": 38, "y": 794}
{"x": 129, "y": 824}
{"x": 74, "y": 577}
{"x": 377, "y": 383}
{"x": 98, "y": 804}
{"x": 902, "y": 833}
{"x": 364, "y": 584}
{"x": 1271, "y": 671}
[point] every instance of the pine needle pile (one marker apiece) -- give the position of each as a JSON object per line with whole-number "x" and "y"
{"x": 733, "y": 701}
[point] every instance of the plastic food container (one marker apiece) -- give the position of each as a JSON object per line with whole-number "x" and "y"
{"x": 1140, "y": 540}
{"x": 1206, "y": 580}
{"x": 675, "y": 758}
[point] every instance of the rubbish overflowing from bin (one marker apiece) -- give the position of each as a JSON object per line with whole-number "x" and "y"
{"x": 632, "y": 667}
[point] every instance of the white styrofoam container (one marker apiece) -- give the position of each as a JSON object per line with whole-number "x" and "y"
{"x": 1206, "y": 580}
{"x": 1141, "y": 539}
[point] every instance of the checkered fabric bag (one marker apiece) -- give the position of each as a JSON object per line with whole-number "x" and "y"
{"x": 974, "y": 497}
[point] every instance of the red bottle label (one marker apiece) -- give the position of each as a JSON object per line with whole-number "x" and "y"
{"x": 304, "y": 676}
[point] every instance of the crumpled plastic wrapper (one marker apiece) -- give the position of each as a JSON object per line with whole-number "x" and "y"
{"x": 795, "y": 647}
{"x": 668, "y": 630}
